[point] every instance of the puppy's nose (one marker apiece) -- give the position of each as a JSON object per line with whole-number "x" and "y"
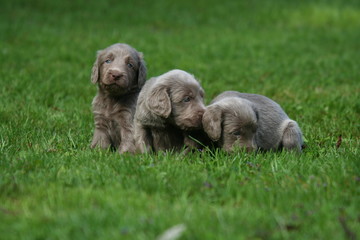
{"x": 251, "y": 148}
{"x": 201, "y": 112}
{"x": 115, "y": 75}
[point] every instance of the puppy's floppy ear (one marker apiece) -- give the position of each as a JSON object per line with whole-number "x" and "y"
{"x": 142, "y": 71}
{"x": 256, "y": 112}
{"x": 95, "y": 70}
{"x": 159, "y": 101}
{"x": 212, "y": 122}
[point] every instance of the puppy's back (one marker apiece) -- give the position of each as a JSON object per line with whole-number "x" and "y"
{"x": 263, "y": 104}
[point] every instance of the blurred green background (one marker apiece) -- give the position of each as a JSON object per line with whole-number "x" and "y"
{"x": 303, "y": 54}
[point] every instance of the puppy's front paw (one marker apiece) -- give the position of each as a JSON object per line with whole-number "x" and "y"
{"x": 127, "y": 148}
{"x": 100, "y": 140}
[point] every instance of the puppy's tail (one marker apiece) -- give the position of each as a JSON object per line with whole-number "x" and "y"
{"x": 291, "y": 136}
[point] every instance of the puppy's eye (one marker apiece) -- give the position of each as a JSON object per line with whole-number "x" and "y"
{"x": 186, "y": 99}
{"x": 237, "y": 133}
{"x": 107, "y": 61}
{"x": 130, "y": 65}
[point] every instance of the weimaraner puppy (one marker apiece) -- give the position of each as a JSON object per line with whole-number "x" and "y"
{"x": 120, "y": 72}
{"x": 169, "y": 107}
{"x": 250, "y": 121}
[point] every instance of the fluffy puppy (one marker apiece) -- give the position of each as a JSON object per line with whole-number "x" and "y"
{"x": 250, "y": 121}
{"x": 120, "y": 72}
{"x": 168, "y": 108}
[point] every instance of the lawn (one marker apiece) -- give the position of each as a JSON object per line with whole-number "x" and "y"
{"x": 303, "y": 54}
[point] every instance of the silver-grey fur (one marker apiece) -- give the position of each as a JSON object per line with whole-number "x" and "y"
{"x": 252, "y": 121}
{"x": 120, "y": 72}
{"x": 168, "y": 107}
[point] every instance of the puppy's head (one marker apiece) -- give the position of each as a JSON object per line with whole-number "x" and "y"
{"x": 119, "y": 69}
{"x": 232, "y": 122}
{"x": 177, "y": 97}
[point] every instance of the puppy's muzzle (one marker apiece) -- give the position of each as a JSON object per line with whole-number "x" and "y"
{"x": 197, "y": 119}
{"x": 251, "y": 147}
{"x": 116, "y": 77}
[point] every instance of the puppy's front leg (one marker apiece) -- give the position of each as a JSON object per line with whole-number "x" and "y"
{"x": 143, "y": 138}
{"x": 127, "y": 141}
{"x": 101, "y": 136}
{"x": 101, "y": 139}
{"x": 126, "y": 131}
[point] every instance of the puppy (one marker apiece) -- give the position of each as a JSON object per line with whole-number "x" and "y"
{"x": 250, "y": 121}
{"x": 120, "y": 72}
{"x": 169, "y": 107}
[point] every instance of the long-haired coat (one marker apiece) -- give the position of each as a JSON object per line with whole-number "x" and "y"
{"x": 120, "y": 72}
{"x": 169, "y": 107}
{"x": 250, "y": 121}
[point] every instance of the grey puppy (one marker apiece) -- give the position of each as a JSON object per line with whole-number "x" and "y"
{"x": 168, "y": 108}
{"x": 250, "y": 121}
{"x": 120, "y": 72}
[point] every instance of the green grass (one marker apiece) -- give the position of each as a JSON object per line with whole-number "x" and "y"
{"x": 303, "y": 54}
